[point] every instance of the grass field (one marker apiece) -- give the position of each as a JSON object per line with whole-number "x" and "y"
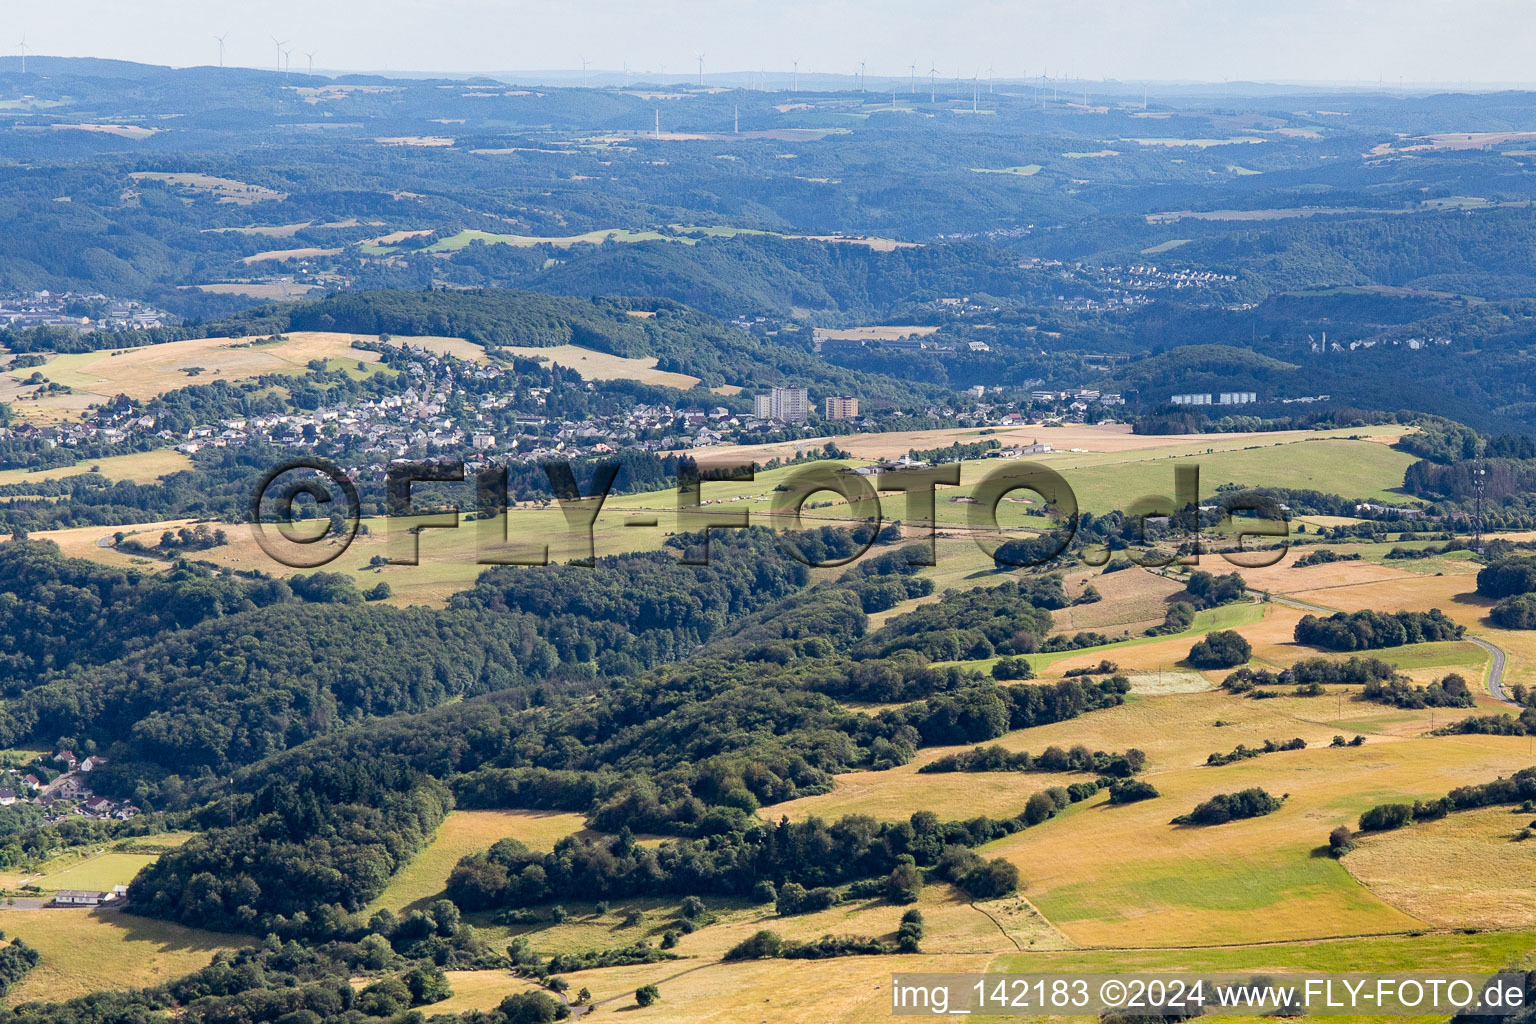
{"x": 99, "y": 872}
{"x": 145, "y": 372}
{"x": 139, "y": 467}
{"x": 1468, "y": 870}
{"x": 463, "y": 833}
{"x": 224, "y": 190}
{"x": 595, "y": 365}
{"x": 1112, "y": 888}
{"x": 89, "y": 950}
{"x": 1103, "y": 478}
{"x": 464, "y": 238}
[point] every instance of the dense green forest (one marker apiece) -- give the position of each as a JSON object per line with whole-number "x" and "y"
{"x": 298, "y": 695}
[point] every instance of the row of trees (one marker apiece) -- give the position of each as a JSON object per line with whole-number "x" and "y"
{"x": 1369, "y": 630}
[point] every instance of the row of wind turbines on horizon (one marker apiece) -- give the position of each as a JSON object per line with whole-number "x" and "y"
{"x": 284, "y": 65}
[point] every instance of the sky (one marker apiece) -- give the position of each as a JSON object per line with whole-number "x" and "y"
{"x": 1416, "y": 41}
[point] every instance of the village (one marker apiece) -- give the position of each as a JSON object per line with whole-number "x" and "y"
{"x": 485, "y": 412}
{"x": 92, "y": 312}
{"x": 58, "y": 784}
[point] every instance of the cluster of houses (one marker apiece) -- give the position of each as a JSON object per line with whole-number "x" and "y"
{"x": 83, "y": 312}
{"x": 59, "y": 785}
{"x": 1074, "y": 400}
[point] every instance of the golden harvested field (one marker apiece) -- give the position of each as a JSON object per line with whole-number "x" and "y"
{"x": 1466, "y": 870}
{"x": 283, "y": 255}
{"x": 140, "y": 467}
{"x": 1133, "y": 599}
{"x": 893, "y": 795}
{"x": 1123, "y": 876}
{"x": 89, "y": 950}
{"x": 154, "y": 369}
{"x": 851, "y": 990}
{"x": 463, "y": 833}
{"x": 1091, "y": 438}
{"x": 595, "y": 365}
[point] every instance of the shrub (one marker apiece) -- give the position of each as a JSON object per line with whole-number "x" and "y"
{"x": 1130, "y": 791}
{"x": 1225, "y": 807}
{"x": 646, "y": 995}
{"x": 1517, "y": 612}
{"x": 1386, "y": 816}
{"x": 1012, "y": 668}
{"x": 977, "y": 878}
{"x": 763, "y": 945}
{"x": 1340, "y": 841}
{"x": 909, "y": 935}
{"x": 1221, "y": 649}
{"x": 531, "y": 1008}
{"x": 1507, "y": 578}
{"x": 796, "y": 899}
{"x": 905, "y": 883}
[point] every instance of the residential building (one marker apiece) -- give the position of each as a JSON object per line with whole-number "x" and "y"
{"x": 789, "y": 405}
{"x": 80, "y": 897}
{"x": 842, "y": 407}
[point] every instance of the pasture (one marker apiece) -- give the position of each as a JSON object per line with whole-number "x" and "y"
{"x": 1468, "y": 870}
{"x": 140, "y": 373}
{"x": 139, "y": 467}
{"x": 462, "y": 833}
{"x": 89, "y": 950}
{"x": 595, "y": 365}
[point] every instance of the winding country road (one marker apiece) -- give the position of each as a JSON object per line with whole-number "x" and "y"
{"x": 1495, "y": 671}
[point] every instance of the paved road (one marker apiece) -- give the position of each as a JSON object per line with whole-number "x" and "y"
{"x": 1495, "y": 671}
{"x": 1305, "y": 606}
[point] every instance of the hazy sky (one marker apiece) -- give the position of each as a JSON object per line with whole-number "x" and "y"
{"x": 1277, "y": 40}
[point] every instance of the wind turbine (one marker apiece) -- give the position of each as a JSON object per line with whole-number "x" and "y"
{"x": 796, "y": 86}
{"x": 989, "y": 79}
{"x": 701, "y": 70}
{"x": 287, "y": 63}
{"x": 933, "y": 83}
{"x": 912, "y": 79}
{"x": 24, "y": 48}
{"x": 221, "y": 47}
{"x": 311, "y": 56}
{"x": 583, "y": 72}
{"x": 279, "y": 44}
{"x": 862, "y": 79}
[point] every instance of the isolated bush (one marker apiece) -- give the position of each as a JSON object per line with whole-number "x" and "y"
{"x": 1130, "y": 791}
{"x": 909, "y": 935}
{"x": 1225, "y": 807}
{"x": 1340, "y": 841}
{"x": 1221, "y": 649}
{"x": 762, "y": 945}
